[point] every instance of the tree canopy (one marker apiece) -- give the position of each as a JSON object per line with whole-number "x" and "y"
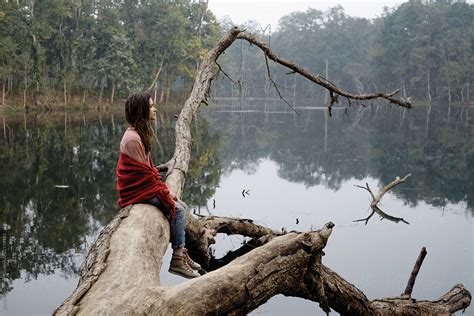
{"x": 57, "y": 50}
{"x": 423, "y": 47}
{"x": 98, "y": 47}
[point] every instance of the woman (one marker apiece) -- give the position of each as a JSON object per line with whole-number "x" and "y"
{"x": 138, "y": 180}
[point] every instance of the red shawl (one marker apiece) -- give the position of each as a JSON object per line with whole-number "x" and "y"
{"x": 139, "y": 183}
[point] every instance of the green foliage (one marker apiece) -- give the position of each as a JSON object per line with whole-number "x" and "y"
{"x": 427, "y": 45}
{"x": 101, "y": 46}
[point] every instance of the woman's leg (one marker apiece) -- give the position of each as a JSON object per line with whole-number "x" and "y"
{"x": 177, "y": 226}
{"x": 180, "y": 264}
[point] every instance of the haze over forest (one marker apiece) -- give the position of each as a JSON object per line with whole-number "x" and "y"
{"x": 62, "y": 52}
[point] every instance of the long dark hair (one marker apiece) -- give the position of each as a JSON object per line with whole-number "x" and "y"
{"x": 137, "y": 114}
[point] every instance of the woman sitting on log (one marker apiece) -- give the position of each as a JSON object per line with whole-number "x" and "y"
{"x": 138, "y": 180}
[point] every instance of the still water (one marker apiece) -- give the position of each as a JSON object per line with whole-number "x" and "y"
{"x": 57, "y": 176}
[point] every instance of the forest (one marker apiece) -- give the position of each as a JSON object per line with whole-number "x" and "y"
{"x": 93, "y": 52}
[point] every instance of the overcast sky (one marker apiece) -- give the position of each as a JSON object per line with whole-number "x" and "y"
{"x": 269, "y": 12}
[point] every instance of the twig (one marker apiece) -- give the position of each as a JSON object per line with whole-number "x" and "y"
{"x": 225, "y": 74}
{"x": 276, "y": 87}
{"x": 376, "y": 200}
{"x": 414, "y": 272}
{"x": 365, "y": 219}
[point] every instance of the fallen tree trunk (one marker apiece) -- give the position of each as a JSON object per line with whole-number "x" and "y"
{"x": 121, "y": 272}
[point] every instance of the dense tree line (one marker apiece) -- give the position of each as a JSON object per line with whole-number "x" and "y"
{"x": 52, "y": 51}
{"x": 424, "y": 47}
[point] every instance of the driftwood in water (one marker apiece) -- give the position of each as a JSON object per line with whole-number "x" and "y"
{"x": 121, "y": 272}
{"x": 376, "y": 199}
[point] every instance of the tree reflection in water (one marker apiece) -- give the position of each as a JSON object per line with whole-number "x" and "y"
{"x": 58, "y": 186}
{"x": 57, "y": 171}
{"x": 380, "y": 141}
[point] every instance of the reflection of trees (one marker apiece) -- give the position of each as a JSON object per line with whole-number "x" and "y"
{"x": 441, "y": 162}
{"x": 204, "y": 171}
{"x": 205, "y": 167}
{"x": 43, "y": 225}
{"x": 379, "y": 142}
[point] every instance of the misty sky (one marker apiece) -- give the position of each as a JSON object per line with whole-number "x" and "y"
{"x": 269, "y": 12}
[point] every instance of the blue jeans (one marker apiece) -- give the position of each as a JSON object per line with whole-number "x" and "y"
{"x": 177, "y": 224}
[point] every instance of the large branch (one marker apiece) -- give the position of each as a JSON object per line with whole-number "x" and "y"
{"x": 182, "y": 154}
{"x": 319, "y": 79}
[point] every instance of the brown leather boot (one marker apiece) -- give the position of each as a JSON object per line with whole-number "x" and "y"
{"x": 189, "y": 261}
{"x": 179, "y": 266}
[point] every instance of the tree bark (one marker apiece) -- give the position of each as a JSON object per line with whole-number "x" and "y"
{"x": 112, "y": 94}
{"x": 155, "y": 80}
{"x": 3, "y": 92}
{"x": 121, "y": 272}
{"x": 65, "y": 91}
{"x": 428, "y": 86}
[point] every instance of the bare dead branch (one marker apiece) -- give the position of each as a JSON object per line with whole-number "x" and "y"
{"x": 226, "y": 75}
{"x": 390, "y": 186}
{"x": 414, "y": 272}
{"x": 237, "y": 226}
{"x": 376, "y": 200}
{"x": 320, "y": 80}
{"x": 276, "y": 87}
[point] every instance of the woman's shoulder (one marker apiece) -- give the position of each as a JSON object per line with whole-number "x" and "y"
{"x": 130, "y": 139}
{"x": 132, "y": 146}
{"x": 130, "y": 134}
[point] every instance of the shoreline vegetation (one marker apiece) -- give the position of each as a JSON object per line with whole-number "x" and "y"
{"x": 64, "y": 54}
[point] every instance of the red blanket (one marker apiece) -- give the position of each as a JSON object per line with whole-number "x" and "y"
{"x": 139, "y": 183}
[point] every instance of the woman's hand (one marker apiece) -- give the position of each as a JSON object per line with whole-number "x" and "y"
{"x": 173, "y": 196}
{"x": 162, "y": 168}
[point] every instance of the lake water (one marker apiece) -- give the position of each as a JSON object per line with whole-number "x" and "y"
{"x": 57, "y": 176}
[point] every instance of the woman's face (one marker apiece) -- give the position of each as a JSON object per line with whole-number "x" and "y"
{"x": 152, "y": 115}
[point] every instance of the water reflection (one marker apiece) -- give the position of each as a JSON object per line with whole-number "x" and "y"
{"x": 58, "y": 186}
{"x": 381, "y": 142}
{"x": 57, "y": 171}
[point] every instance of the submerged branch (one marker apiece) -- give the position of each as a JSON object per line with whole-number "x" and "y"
{"x": 376, "y": 200}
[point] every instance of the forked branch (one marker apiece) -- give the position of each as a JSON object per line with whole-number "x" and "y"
{"x": 376, "y": 200}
